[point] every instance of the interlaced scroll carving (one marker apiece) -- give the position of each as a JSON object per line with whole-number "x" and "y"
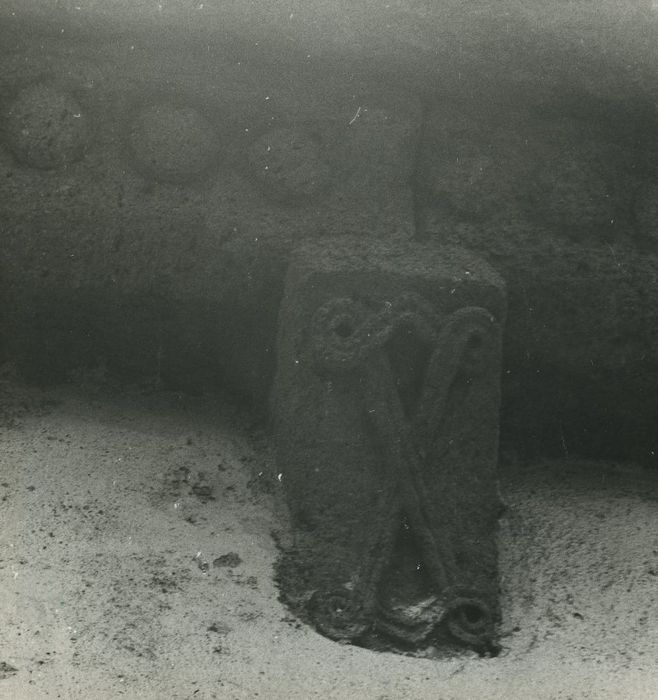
{"x": 412, "y": 439}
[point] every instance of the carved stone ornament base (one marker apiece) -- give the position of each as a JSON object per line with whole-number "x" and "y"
{"x": 385, "y": 410}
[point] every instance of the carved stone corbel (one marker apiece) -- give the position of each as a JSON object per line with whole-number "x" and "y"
{"x": 386, "y": 423}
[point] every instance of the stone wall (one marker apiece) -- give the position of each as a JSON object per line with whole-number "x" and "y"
{"x": 558, "y": 195}
{"x": 159, "y": 161}
{"x": 149, "y": 201}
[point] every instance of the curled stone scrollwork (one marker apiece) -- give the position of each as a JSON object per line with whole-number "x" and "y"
{"x": 346, "y": 332}
{"x": 350, "y": 336}
{"x": 339, "y": 614}
{"x": 469, "y": 618}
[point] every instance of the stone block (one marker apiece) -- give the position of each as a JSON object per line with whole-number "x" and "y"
{"x": 385, "y": 407}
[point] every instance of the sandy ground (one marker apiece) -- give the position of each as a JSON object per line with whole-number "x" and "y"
{"x": 136, "y": 560}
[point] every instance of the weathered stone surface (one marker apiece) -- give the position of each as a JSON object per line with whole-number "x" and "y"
{"x": 539, "y": 153}
{"x": 46, "y": 127}
{"x": 172, "y": 143}
{"x": 475, "y": 46}
{"x": 289, "y": 164}
{"x": 155, "y": 243}
{"x": 559, "y": 201}
{"x": 386, "y": 426}
{"x": 646, "y": 212}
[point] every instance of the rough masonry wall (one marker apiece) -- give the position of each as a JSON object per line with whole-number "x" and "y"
{"x": 149, "y": 200}
{"x": 559, "y": 194}
{"x": 146, "y": 226}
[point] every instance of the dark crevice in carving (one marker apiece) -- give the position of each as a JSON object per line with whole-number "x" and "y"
{"x": 408, "y": 356}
